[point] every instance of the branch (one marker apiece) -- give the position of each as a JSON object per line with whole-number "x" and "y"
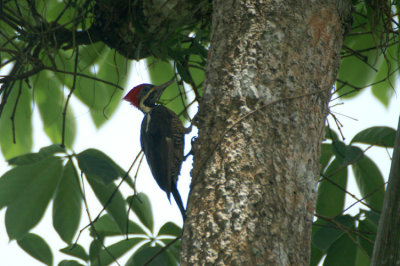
{"x": 162, "y": 250}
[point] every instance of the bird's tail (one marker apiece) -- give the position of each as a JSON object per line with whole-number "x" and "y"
{"x": 178, "y": 200}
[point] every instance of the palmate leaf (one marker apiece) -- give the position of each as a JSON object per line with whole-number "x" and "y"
{"x": 50, "y": 100}
{"x": 98, "y": 63}
{"x": 106, "y": 226}
{"x": 27, "y": 190}
{"x": 117, "y": 250}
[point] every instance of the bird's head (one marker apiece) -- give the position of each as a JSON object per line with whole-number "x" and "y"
{"x": 145, "y": 96}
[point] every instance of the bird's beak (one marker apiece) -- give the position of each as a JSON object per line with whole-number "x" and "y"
{"x": 160, "y": 88}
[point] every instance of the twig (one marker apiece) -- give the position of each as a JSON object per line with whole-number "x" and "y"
{"x": 134, "y": 192}
{"x": 214, "y": 148}
{"x": 14, "y": 112}
{"x": 64, "y": 114}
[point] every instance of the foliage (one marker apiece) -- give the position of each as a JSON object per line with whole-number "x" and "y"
{"x": 51, "y": 173}
{"x": 370, "y": 52}
{"x": 52, "y": 51}
{"x": 335, "y": 232}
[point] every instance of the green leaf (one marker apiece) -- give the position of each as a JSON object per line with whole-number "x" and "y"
{"x": 331, "y": 190}
{"x": 52, "y": 9}
{"x": 360, "y": 62}
{"x": 362, "y": 259}
{"x": 342, "y": 252}
{"x": 98, "y": 63}
{"x": 69, "y": 263}
{"x": 386, "y": 78}
{"x": 67, "y": 204}
{"x": 113, "y": 68}
{"x": 91, "y": 54}
{"x": 316, "y": 256}
{"x": 95, "y": 247}
{"x": 372, "y": 216}
{"x": 379, "y": 136}
{"x": 326, "y": 155}
{"x": 331, "y": 134}
{"x": 22, "y": 120}
{"x": 37, "y": 156}
{"x": 327, "y": 232}
{"x": 110, "y": 197}
{"x": 183, "y": 73}
{"x": 198, "y": 73}
{"x": 50, "y": 100}
{"x": 99, "y": 166}
{"x": 76, "y": 251}
{"x": 370, "y": 182}
{"x": 141, "y": 205}
{"x": 346, "y": 154}
{"x": 106, "y": 226}
{"x": 146, "y": 252}
{"x": 18, "y": 178}
{"x": 117, "y": 250}
{"x": 35, "y": 246}
{"x": 174, "y": 250}
{"x": 170, "y": 228}
{"x": 160, "y": 72}
{"x": 32, "y": 187}
{"x": 367, "y": 230}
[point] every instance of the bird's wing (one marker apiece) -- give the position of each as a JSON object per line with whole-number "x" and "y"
{"x": 158, "y": 147}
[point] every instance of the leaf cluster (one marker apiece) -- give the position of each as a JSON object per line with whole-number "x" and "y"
{"x": 53, "y": 50}
{"x": 370, "y": 52}
{"x": 348, "y": 239}
{"x": 51, "y": 175}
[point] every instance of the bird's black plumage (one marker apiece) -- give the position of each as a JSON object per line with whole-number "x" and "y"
{"x": 162, "y": 141}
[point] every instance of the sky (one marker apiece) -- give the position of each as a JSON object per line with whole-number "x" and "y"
{"x": 119, "y": 139}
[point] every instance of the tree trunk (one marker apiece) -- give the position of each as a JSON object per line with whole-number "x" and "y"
{"x": 387, "y": 243}
{"x": 270, "y": 70}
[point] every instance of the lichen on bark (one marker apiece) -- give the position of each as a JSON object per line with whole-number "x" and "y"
{"x": 270, "y": 70}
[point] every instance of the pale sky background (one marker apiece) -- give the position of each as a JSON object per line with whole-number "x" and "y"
{"x": 119, "y": 139}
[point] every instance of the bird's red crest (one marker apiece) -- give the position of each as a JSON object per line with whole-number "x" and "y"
{"x": 133, "y": 95}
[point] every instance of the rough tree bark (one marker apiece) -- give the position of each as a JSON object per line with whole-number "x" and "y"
{"x": 270, "y": 70}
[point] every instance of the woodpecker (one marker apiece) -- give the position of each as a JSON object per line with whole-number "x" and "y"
{"x": 161, "y": 138}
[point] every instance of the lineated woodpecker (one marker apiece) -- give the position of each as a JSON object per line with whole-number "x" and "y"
{"x": 161, "y": 138}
